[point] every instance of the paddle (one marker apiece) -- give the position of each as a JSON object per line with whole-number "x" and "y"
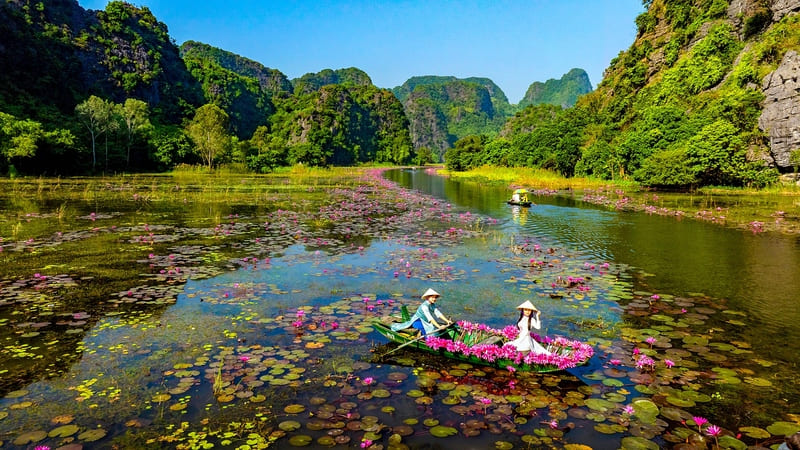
{"x": 418, "y": 338}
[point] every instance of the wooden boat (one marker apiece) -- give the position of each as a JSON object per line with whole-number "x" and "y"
{"x": 486, "y": 348}
{"x": 523, "y": 204}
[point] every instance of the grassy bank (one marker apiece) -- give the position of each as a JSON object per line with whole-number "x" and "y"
{"x": 776, "y": 208}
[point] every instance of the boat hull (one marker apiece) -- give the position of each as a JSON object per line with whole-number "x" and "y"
{"x": 523, "y": 204}
{"x": 404, "y": 339}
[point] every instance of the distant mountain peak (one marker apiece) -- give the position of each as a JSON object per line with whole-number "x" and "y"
{"x": 563, "y": 92}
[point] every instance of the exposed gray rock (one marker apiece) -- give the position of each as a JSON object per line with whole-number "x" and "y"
{"x": 780, "y": 118}
{"x": 781, "y": 8}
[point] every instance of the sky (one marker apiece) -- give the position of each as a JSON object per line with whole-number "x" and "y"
{"x": 514, "y": 42}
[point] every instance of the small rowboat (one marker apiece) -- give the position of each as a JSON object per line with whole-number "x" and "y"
{"x": 523, "y": 204}
{"x": 482, "y": 345}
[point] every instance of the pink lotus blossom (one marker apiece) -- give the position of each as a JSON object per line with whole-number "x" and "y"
{"x": 628, "y": 409}
{"x": 297, "y": 323}
{"x": 713, "y": 430}
{"x": 700, "y": 421}
{"x": 368, "y": 380}
{"x": 244, "y": 358}
{"x": 553, "y": 424}
{"x": 650, "y": 340}
{"x": 366, "y": 443}
{"x": 669, "y": 363}
{"x": 615, "y": 362}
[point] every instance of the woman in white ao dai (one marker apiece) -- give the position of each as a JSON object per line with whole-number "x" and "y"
{"x": 529, "y": 319}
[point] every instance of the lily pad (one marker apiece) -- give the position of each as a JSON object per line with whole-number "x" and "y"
{"x": 300, "y": 440}
{"x": 441, "y": 431}
{"x": 30, "y": 437}
{"x": 638, "y": 443}
{"x": 756, "y": 381}
{"x": 294, "y": 409}
{"x": 92, "y": 435}
{"x": 727, "y": 441}
{"x": 599, "y": 404}
{"x": 289, "y": 425}
{"x": 755, "y": 432}
{"x": 63, "y": 431}
{"x": 783, "y": 428}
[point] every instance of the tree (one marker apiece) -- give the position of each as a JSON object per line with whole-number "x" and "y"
{"x": 22, "y": 138}
{"x": 209, "y": 132}
{"x": 96, "y": 115}
{"x": 135, "y": 119}
{"x": 717, "y": 154}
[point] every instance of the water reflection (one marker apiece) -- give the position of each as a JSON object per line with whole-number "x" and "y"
{"x": 758, "y": 274}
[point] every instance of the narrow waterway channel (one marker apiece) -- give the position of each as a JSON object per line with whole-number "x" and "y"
{"x": 758, "y": 274}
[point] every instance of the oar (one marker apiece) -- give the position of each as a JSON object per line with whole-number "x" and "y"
{"x": 418, "y": 338}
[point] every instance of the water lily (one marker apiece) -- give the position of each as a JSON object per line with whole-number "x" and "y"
{"x": 700, "y": 421}
{"x": 368, "y": 380}
{"x": 628, "y": 409}
{"x": 366, "y": 443}
{"x": 669, "y": 363}
{"x": 713, "y": 430}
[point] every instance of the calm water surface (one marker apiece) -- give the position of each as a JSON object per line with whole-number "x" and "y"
{"x": 756, "y": 273}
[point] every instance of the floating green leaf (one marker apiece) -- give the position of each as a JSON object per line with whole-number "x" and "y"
{"x": 783, "y": 428}
{"x": 441, "y": 431}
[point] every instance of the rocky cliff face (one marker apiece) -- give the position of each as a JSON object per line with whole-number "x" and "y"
{"x": 120, "y": 52}
{"x": 780, "y": 119}
{"x": 442, "y": 110}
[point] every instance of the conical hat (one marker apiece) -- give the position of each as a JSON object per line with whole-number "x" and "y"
{"x": 429, "y": 293}
{"x": 521, "y": 191}
{"x": 527, "y": 305}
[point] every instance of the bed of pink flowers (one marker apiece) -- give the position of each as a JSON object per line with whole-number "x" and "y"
{"x": 563, "y": 353}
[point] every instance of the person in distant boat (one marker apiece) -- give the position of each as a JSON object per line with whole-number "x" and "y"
{"x": 427, "y": 319}
{"x": 515, "y": 197}
{"x": 529, "y": 319}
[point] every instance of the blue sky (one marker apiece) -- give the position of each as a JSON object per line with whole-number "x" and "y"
{"x": 512, "y": 42}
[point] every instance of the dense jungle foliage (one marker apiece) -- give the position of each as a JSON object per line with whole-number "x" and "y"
{"x": 90, "y": 91}
{"x": 679, "y": 108}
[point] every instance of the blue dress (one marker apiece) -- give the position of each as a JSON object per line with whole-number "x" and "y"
{"x": 425, "y": 314}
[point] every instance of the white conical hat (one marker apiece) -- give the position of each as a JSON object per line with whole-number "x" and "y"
{"x": 527, "y": 305}
{"x": 429, "y": 293}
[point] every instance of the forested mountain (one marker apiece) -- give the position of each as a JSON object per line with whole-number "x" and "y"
{"x": 311, "y": 82}
{"x": 84, "y": 91}
{"x": 706, "y": 94}
{"x": 442, "y": 110}
{"x": 271, "y": 81}
{"x": 241, "y": 87}
{"x": 563, "y": 92}
{"x": 56, "y": 53}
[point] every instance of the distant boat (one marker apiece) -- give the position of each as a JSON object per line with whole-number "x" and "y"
{"x": 525, "y": 204}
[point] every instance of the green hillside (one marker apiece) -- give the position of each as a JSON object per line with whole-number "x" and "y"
{"x": 563, "y": 92}
{"x": 692, "y": 102}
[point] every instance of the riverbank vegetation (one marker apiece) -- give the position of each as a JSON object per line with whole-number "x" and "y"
{"x": 770, "y": 208}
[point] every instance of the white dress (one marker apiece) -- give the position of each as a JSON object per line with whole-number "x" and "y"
{"x": 524, "y": 342}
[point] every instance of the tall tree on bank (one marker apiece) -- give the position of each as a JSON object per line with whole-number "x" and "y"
{"x": 96, "y": 115}
{"x": 135, "y": 117}
{"x": 209, "y": 132}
